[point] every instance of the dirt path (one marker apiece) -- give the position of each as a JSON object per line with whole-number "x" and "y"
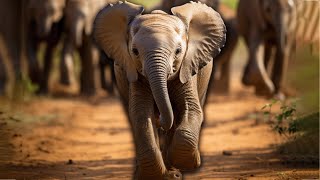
{"x": 76, "y": 139}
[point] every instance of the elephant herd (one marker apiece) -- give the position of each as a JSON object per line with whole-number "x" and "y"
{"x": 162, "y": 60}
{"x": 26, "y": 24}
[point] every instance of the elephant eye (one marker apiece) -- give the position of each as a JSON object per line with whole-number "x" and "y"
{"x": 135, "y": 51}
{"x": 178, "y": 51}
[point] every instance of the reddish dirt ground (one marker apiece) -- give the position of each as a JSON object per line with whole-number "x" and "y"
{"x": 72, "y": 138}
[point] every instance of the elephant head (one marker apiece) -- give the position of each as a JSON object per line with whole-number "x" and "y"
{"x": 159, "y": 46}
{"x": 45, "y": 13}
{"x": 275, "y": 14}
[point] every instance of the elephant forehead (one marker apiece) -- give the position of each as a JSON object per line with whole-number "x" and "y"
{"x": 159, "y": 22}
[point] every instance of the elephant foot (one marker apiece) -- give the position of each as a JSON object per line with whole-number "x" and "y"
{"x": 279, "y": 96}
{"x": 65, "y": 81}
{"x": 183, "y": 152}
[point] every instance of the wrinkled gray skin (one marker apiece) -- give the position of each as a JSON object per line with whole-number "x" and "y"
{"x": 44, "y": 24}
{"x": 11, "y": 38}
{"x": 262, "y": 23}
{"x": 222, "y": 61}
{"x": 162, "y": 78}
{"x": 79, "y": 21}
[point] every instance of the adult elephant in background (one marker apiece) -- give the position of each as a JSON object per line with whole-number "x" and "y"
{"x": 222, "y": 61}
{"x": 44, "y": 23}
{"x": 80, "y": 15}
{"x": 263, "y": 25}
{"x": 163, "y": 65}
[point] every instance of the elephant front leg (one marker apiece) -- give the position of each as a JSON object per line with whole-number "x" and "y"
{"x": 279, "y": 72}
{"x": 33, "y": 64}
{"x": 150, "y": 164}
{"x": 184, "y": 152}
{"x": 67, "y": 64}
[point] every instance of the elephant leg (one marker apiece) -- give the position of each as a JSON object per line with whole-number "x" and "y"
{"x": 222, "y": 84}
{"x": 46, "y": 70}
{"x": 33, "y": 64}
{"x": 103, "y": 63}
{"x": 150, "y": 164}
{"x": 255, "y": 71}
{"x": 267, "y": 56}
{"x": 88, "y": 52}
{"x": 3, "y": 77}
{"x": 279, "y": 72}
{"x": 52, "y": 42}
{"x": 67, "y": 63}
{"x": 184, "y": 152}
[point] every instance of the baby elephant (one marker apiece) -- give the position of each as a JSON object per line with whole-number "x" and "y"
{"x": 163, "y": 65}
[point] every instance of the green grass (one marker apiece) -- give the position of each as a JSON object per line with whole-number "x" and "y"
{"x": 306, "y": 143}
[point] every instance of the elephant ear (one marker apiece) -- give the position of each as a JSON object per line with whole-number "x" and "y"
{"x": 111, "y": 33}
{"x": 206, "y": 35}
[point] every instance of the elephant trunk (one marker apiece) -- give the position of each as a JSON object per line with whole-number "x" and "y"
{"x": 77, "y": 31}
{"x": 157, "y": 71}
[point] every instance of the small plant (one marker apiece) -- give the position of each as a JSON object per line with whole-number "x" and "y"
{"x": 284, "y": 121}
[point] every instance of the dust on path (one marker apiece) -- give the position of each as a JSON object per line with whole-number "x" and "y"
{"x": 75, "y": 139}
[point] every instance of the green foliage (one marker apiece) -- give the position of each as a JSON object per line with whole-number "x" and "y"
{"x": 302, "y": 131}
{"x": 230, "y": 3}
{"x": 146, "y": 3}
{"x": 284, "y": 122}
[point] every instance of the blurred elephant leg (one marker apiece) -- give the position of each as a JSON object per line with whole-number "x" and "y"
{"x": 267, "y": 56}
{"x": 3, "y": 77}
{"x": 33, "y": 63}
{"x": 225, "y": 76}
{"x": 279, "y": 72}
{"x": 52, "y": 42}
{"x": 88, "y": 54}
{"x": 46, "y": 69}
{"x": 255, "y": 71}
{"x": 222, "y": 83}
{"x": 103, "y": 63}
{"x": 67, "y": 64}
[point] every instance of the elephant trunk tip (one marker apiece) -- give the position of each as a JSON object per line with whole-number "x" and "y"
{"x": 166, "y": 122}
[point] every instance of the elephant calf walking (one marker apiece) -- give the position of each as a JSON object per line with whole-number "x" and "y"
{"x": 163, "y": 64}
